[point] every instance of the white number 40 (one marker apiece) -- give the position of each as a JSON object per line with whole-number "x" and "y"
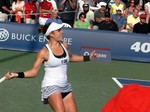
{"x": 138, "y": 46}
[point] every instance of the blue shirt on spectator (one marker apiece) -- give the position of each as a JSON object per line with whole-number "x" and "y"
{"x": 59, "y": 21}
{"x": 120, "y": 21}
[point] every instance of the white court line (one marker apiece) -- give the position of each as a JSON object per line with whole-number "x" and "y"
{"x": 117, "y": 82}
{"x": 135, "y": 79}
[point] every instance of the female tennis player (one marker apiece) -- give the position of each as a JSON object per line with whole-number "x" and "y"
{"x": 55, "y": 55}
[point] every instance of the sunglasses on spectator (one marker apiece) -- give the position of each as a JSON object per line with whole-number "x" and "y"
{"x": 82, "y": 16}
{"x": 119, "y": 10}
{"x": 132, "y": 2}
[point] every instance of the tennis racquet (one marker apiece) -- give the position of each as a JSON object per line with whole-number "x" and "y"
{"x": 2, "y": 79}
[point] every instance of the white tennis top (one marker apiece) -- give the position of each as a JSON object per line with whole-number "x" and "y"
{"x": 55, "y": 69}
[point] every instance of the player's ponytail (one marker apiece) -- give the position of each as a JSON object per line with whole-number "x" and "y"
{"x": 44, "y": 28}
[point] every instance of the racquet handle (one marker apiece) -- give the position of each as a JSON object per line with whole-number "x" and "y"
{"x": 2, "y": 79}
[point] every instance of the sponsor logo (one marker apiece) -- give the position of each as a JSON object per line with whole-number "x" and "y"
{"x": 4, "y": 34}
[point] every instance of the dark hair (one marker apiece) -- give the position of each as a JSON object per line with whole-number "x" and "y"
{"x": 135, "y": 9}
{"x": 44, "y": 28}
{"x": 82, "y": 13}
{"x": 107, "y": 14}
{"x": 128, "y": 3}
{"x": 85, "y": 5}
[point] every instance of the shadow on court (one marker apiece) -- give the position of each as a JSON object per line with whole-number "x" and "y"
{"x": 14, "y": 56}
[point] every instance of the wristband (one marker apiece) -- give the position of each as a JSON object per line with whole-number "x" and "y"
{"x": 86, "y": 58}
{"x": 20, "y": 74}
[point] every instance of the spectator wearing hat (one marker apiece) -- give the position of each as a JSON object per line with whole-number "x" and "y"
{"x": 81, "y": 23}
{"x": 89, "y": 13}
{"x": 114, "y": 6}
{"x": 142, "y": 26}
{"x": 108, "y": 24}
{"x": 99, "y": 14}
{"x": 147, "y": 11}
{"x": 81, "y": 2}
{"x": 119, "y": 19}
{"x": 132, "y": 20}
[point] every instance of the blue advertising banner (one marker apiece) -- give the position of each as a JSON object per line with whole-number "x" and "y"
{"x": 104, "y": 54}
{"x": 123, "y": 46}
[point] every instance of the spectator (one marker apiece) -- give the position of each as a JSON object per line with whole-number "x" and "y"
{"x": 108, "y": 24}
{"x": 143, "y": 2}
{"x": 142, "y": 26}
{"x": 89, "y": 13}
{"x": 17, "y": 7}
{"x": 147, "y": 11}
{"x": 99, "y": 14}
{"x": 132, "y": 20}
{"x": 138, "y": 4}
{"x": 113, "y": 7}
{"x": 81, "y": 2}
{"x": 125, "y": 2}
{"x": 81, "y": 23}
{"x": 54, "y": 5}
{"x": 68, "y": 8}
{"x": 111, "y": 2}
{"x": 119, "y": 19}
{"x": 5, "y": 10}
{"x": 45, "y": 9}
{"x": 54, "y": 17}
{"x": 130, "y": 7}
{"x": 30, "y": 10}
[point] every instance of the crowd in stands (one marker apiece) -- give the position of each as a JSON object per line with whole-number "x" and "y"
{"x": 114, "y": 15}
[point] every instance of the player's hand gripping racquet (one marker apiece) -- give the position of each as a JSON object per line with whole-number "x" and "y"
{"x": 4, "y": 77}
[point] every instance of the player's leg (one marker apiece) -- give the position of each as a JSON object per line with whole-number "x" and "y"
{"x": 56, "y": 102}
{"x": 70, "y": 104}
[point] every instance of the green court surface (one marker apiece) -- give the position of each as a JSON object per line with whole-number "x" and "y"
{"x": 91, "y": 81}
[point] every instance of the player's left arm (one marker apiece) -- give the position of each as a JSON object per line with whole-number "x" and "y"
{"x": 78, "y": 58}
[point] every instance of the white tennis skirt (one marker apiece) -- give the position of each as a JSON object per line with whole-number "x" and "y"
{"x": 49, "y": 90}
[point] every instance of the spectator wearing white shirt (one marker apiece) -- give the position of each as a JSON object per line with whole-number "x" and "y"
{"x": 17, "y": 7}
{"x": 147, "y": 11}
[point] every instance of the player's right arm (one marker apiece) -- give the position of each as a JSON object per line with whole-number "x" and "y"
{"x": 40, "y": 57}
